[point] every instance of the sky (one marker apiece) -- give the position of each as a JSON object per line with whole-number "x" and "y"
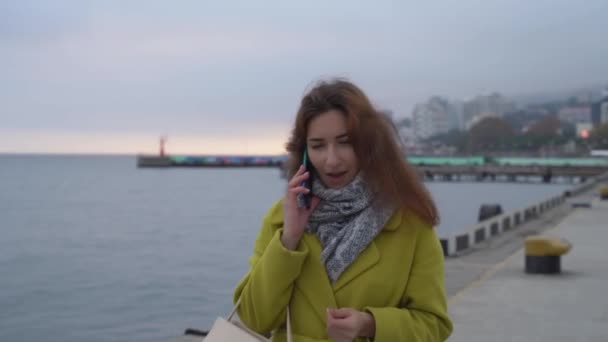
{"x": 226, "y": 77}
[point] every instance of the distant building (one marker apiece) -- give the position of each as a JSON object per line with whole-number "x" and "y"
{"x": 455, "y": 114}
{"x": 401, "y": 128}
{"x": 575, "y": 114}
{"x": 406, "y": 132}
{"x": 431, "y": 118}
{"x": 599, "y": 111}
{"x": 584, "y": 98}
{"x": 487, "y": 105}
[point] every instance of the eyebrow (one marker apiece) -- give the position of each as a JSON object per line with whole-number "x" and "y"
{"x": 343, "y": 135}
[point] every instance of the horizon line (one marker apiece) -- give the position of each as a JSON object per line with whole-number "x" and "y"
{"x": 114, "y": 154}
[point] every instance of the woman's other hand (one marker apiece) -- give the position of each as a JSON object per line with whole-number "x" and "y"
{"x": 346, "y": 324}
{"x": 295, "y": 218}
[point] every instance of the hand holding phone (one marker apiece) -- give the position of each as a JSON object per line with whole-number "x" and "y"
{"x": 298, "y": 205}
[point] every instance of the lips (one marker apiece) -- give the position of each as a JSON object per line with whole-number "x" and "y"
{"x": 336, "y": 175}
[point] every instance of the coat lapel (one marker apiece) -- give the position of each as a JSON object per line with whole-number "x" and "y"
{"x": 366, "y": 260}
{"x": 369, "y": 257}
{"x": 313, "y": 281}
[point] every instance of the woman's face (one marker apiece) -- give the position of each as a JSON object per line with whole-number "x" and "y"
{"x": 330, "y": 150}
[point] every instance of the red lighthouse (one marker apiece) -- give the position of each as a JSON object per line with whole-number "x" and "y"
{"x": 162, "y": 146}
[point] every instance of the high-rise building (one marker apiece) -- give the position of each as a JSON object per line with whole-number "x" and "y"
{"x": 575, "y": 114}
{"x": 486, "y": 105}
{"x": 406, "y": 132}
{"x": 599, "y": 112}
{"x": 455, "y": 113}
{"x": 431, "y": 118}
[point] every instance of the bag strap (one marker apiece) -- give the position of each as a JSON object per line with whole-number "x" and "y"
{"x": 289, "y": 335}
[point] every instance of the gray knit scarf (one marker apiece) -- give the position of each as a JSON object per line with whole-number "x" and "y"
{"x": 345, "y": 221}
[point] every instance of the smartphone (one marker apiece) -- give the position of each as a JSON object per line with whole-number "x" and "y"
{"x": 307, "y": 183}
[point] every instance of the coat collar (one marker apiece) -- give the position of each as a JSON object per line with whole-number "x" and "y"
{"x": 392, "y": 224}
{"x": 394, "y": 221}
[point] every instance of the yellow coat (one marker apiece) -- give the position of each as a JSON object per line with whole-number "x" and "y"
{"x": 398, "y": 278}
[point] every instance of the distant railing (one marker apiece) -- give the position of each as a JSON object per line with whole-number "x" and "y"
{"x": 482, "y": 231}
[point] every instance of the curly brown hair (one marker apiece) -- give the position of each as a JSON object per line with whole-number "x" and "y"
{"x": 375, "y": 141}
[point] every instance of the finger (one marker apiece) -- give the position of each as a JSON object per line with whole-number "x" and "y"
{"x": 341, "y": 313}
{"x": 339, "y": 335}
{"x": 342, "y": 331}
{"x": 298, "y": 179}
{"x": 337, "y": 325}
{"x": 330, "y": 317}
{"x": 292, "y": 193}
{"x": 335, "y": 329}
{"x": 300, "y": 170}
{"x": 299, "y": 190}
{"x": 342, "y": 337}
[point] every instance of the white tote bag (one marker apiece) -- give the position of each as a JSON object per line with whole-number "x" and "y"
{"x": 230, "y": 330}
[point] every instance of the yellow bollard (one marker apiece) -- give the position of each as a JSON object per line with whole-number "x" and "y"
{"x": 604, "y": 192}
{"x": 543, "y": 254}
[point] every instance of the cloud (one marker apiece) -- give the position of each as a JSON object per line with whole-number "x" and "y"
{"x": 150, "y": 66}
{"x": 117, "y": 51}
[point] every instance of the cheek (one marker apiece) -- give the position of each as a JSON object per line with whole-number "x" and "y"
{"x": 316, "y": 159}
{"x": 351, "y": 157}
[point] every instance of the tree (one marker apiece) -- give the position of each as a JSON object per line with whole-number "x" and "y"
{"x": 599, "y": 136}
{"x": 490, "y": 133}
{"x": 454, "y": 138}
{"x": 548, "y": 127}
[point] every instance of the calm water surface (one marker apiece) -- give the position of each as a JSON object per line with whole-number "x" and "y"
{"x": 94, "y": 249}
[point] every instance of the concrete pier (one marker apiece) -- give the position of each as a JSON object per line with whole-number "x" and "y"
{"x": 147, "y": 161}
{"x": 493, "y": 299}
{"x": 508, "y": 173}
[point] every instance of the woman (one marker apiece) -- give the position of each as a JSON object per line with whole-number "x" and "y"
{"x": 362, "y": 261}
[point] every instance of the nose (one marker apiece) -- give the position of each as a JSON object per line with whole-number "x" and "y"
{"x": 333, "y": 159}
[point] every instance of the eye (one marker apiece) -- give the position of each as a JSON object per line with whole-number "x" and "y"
{"x": 345, "y": 142}
{"x": 316, "y": 147}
